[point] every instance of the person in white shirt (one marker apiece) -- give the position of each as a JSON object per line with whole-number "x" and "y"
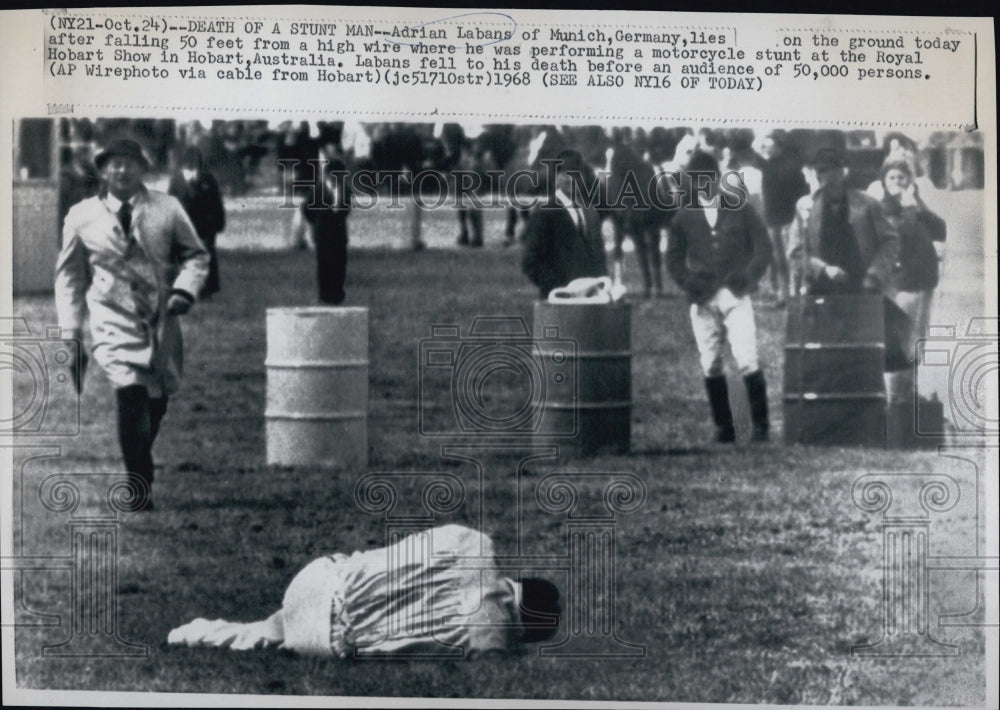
{"x": 435, "y": 592}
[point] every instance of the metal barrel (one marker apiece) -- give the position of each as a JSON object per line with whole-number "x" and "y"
{"x": 317, "y": 386}
{"x": 834, "y": 366}
{"x": 586, "y": 356}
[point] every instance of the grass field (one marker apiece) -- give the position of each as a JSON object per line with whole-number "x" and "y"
{"x": 747, "y": 574}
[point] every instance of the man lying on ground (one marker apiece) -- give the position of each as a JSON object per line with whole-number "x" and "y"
{"x": 435, "y": 591}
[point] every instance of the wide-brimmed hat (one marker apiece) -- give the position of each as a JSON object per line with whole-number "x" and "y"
{"x": 121, "y": 148}
{"x": 827, "y": 158}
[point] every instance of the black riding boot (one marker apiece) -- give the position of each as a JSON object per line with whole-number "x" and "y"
{"x": 757, "y": 394}
{"x": 722, "y": 415}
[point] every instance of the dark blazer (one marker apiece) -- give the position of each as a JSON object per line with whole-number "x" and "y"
{"x": 782, "y": 184}
{"x": 556, "y": 252}
{"x": 702, "y": 260}
{"x": 202, "y": 202}
{"x": 918, "y": 229}
{"x": 878, "y": 240}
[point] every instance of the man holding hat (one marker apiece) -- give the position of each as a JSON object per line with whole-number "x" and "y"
{"x": 132, "y": 261}
{"x": 840, "y": 241}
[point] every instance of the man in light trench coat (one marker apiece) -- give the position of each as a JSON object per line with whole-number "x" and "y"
{"x": 131, "y": 260}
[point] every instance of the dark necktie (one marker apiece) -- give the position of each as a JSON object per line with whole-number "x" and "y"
{"x": 125, "y": 218}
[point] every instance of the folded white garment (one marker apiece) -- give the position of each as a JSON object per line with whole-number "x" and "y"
{"x": 588, "y": 290}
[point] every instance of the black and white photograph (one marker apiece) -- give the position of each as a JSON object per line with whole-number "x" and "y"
{"x": 469, "y": 408}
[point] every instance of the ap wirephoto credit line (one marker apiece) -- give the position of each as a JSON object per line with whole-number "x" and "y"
{"x": 433, "y": 355}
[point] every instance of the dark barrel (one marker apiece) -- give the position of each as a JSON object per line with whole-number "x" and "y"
{"x": 586, "y": 355}
{"x": 834, "y": 366}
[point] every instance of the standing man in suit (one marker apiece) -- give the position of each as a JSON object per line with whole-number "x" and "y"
{"x": 327, "y": 219}
{"x": 198, "y": 192}
{"x": 717, "y": 252}
{"x": 841, "y": 241}
{"x": 544, "y": 144}
{"x": 563, "y": 239}
{"x": 132, "y": 261}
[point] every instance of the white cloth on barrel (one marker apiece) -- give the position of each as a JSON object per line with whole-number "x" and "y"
{"x": 588, "y": 290}
{"x": 431, "y": 591}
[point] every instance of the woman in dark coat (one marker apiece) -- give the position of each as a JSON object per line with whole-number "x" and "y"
{"x": 198, "y": 192}
{"x": 921, "y": 245}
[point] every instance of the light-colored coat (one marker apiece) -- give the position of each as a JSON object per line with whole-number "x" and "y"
{"x": 124, "y": 286}
{"x": 436, "y": 591}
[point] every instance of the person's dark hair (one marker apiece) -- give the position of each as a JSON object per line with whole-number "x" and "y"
{"x": 703, "y": 162}
{"x": 540, "y": 609}
{"x": 900, "y": 165}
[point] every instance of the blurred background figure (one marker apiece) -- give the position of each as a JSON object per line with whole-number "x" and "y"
{"x": 198, "y": 192}
{"x": 743, "y": 163}
{"x": 296, "y": 147}
{"x": 401, "y": 147}
{"x": 474, "y": 164}
{"x": 327, "y": 222}
{"x": 668, "y": 151}
{"x": 840, "y": 241}
{"x": 629, "y": 182}
{"x": 536, "y": 144}
{"x": 897, "y": 148}
{"x": 78, "y": 178}
{"x": 921, "y": 247}
{"x": 452, "y": 149}
{"x": 782, "y": 184}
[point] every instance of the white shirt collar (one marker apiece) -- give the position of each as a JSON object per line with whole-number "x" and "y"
{"x": 710, "y": 210}
{"x": 575, "y": 211}
{"x": 114, "y": 204}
